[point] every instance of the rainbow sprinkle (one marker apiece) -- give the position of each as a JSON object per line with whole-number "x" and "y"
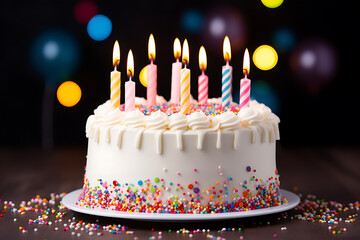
{"x": 209, "y": 109}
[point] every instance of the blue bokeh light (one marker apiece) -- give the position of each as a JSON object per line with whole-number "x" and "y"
{"x": 192, "y": 21}
{"x": 55, "y": 55}
{"x": 284, "y": 39}
{"x": 99, "y": 27}
{"x": 264, "y": 93}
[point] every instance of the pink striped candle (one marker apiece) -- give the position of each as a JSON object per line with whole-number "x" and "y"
{"x": 130, "y": 85}
{"x": 245, "y": 83}
{"x": 151, "y": 90}
{"x": 203, "y": 79}
{"x": 129, "y": 96}
{"x": 175, "y": 74}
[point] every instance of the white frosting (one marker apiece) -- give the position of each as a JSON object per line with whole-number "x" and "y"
{"x": 178, "y": 123}
{"x": 157, "y": 121}
{"x": 257, "y": 118}
{"x": 229, "y": 121}
{"x": 135, "y": 119}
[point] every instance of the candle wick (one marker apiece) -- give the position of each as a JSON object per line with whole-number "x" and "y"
{"x": 152, "y": 61}
{"x": 245, "y": 72}
{"x": 115, "y": 68}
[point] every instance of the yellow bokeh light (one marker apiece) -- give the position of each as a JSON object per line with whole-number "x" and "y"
{"x": 272, "y": 3}
{"x": 68, "y": 94}
{"x": 143, "y": 76}
{"x": 265, "y": 57}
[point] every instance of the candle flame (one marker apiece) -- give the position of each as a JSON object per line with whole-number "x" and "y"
{"x": 202, "y": 58}
{"x": 246, "y": 66}
{"x": 116, "y": 54}
{"x": 177, "y": 48}
{"x": 130, "y": 64}
{"x": 151, "y": 47}
{"x": 185, "y": 52}
{"x": 227, "y": 49}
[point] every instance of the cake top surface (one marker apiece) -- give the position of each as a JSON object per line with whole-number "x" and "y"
{"x": 211, "y": 116}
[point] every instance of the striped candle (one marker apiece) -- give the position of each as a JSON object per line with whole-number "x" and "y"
{"x": 203, "y": 79}
{"x": 115, "y": 78}
{"x": 203, "y": 88}
{"x": 226, "y": 85}
{"x": 185, "y": 81}
{"x": 151, "y": 89}
{"x": 185, "y": 90}
{"x": 245, "y": 83}
{"x": 226, "y": 75}
{"x": 129, "y": 96}
{"x": 115, "y": 89}
{"x": 175, "y": 74}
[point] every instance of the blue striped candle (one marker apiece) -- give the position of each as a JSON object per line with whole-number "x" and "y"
{"x": 226, "y": 85}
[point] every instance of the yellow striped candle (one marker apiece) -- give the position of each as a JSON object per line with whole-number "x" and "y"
{"x": 115, "y": 79}
{"x": 185, "y": 81}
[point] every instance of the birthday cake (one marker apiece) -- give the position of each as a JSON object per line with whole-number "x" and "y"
{"x": 157, "y": 160}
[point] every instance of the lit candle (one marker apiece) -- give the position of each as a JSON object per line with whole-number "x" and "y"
{"x": 203, "y": 79}
{"x": 185, "y": 80}
{"x": 115, "y": 78}
{"x": 130, "y": 85}
{"x": 245, "y": 83}
{"x": 226, "y": 75}
{"x": 151, "y": 74}
{"x": 175, "y": 74}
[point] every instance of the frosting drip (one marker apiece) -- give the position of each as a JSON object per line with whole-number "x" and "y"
{"x": 257, "y": 117}
{"x": 178, "y": 123}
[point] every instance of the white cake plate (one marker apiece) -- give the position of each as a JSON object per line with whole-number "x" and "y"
{"x": 70, "y": 200}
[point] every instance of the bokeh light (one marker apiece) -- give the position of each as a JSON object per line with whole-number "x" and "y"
{"x": 99, "y": 27}
{"x": 284, "y": 39}
{"x": 68, "y": 94}
{"x": 192, "y": 21}
{"x": 222, "y": 21}
{"x": 264, "y": 93}
{"x": 217, "y": 27}
{"x": 272, "y": 3}
{"x": 51, "y": 50}
{"x": 143, "y": 76}
{"x": 314, "y": 63}
{"x": 84, "y": 11}
{"x": 265, "y": 57}
{"x": 55, "y": 55}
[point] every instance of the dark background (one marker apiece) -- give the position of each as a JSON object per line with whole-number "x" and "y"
{"x": 314, "y": 110}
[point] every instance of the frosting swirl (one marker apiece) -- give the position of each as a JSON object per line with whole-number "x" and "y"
{"x": 102, "y": 110}
{"x": 269, "y": 116}
{"x": 198, "y": 120}
{"x": 250, "y": 116}
{"x": 157, "y": 120}
{"x": 135, "y": 119}
{"x": 228, "y": 121}
{"x": 178, "y": 121}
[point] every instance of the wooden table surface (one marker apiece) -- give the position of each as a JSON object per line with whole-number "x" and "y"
{"x": 327, "y": 175}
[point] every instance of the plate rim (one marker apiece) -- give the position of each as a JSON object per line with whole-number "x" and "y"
{"x": 70, "y": 199}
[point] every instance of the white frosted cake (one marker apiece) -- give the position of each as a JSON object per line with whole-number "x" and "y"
{"x": 157, "y": 160}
